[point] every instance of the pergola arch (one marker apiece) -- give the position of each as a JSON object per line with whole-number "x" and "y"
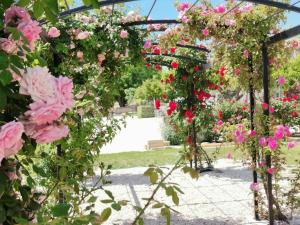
{"x": 264, "y": 48}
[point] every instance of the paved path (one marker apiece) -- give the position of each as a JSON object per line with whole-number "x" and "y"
{"x": 135, "y": 135}
{"x": 221, "y": 197}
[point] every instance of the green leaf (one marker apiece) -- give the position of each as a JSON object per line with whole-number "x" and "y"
{"x": 62, "y": 173}
{"x": 105, "y": 215}
{"x": 109, "y": 194}
{"x": 116, "y": 206}
{"x": 61, "y": 210}
{"x": 38, "y": 9}
{"x": 23, "y": 3}
{"x": 157, "y": 205}
{"x": 2, "y": 214}
{"x": 169, "y": 191}
{"x": 20, "y": 220}
{"x": 92, "y": 199}
{"x": 106, "y": 201}
{"x": 4, "y": 60}
{"x": 51, "y": 9}
{"x": 175, "y": 198}
{"x": 5, "y": 77}
{"x": 166, "y": 213}
{"x": 153, "y": 178}
{"x": 3, "y": 99}
{"x": 39, "y": 171}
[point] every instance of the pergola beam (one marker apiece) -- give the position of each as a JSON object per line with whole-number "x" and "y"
{"x": 189, "y": 46}
{"x": 147, "y": 22}
{"x": 284, "y": 35}
{"x": 85, "y": 8}
{"x": 279, "y": 5}
{"x": 176, "y": 56}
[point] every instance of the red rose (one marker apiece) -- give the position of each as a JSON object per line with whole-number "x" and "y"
{"x": 174, "y": 65}
{"x": 157, "y": 104}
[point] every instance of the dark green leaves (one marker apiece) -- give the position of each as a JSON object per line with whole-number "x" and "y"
{"x": 4, "y": 60}
{"x": 105, "y": 215}
{"x": 47, "y": 7}
{"x": 3, "y": 97}
{"x": 5, "y": 77}
{"x": 23, "y": 3}
{"x": 61, "y": 210}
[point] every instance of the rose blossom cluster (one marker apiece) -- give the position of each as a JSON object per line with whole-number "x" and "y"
{"x": 18, "y": 17}
{"x": 11, "y": 139}
{"x": 280, "y": 132}
{"x": 51, "y": 98}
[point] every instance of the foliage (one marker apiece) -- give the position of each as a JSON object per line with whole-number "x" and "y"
{"x": 133, "y": 77}
{"x": 169, "y": 133}
{"x": 145, "y": 111}
{"x": 149, "y": 90}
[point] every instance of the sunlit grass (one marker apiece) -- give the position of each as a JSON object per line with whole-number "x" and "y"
{"x": 170, "y": 155}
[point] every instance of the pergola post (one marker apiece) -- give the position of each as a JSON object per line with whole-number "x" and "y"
{"x": 252, "y": 127}
{"x": 266, "y": 129}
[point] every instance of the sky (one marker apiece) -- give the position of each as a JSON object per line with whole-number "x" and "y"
{"x": 164, "y": 9}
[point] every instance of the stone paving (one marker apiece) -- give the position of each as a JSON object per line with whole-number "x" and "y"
{"x": 221, "y": 197}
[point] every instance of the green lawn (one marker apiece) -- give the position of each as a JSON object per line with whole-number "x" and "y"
{"x": 170, "y": 155}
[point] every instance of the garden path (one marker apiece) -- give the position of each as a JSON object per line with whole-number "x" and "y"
{"x": 135, "y": 135}
{"x": 221, "y": 197}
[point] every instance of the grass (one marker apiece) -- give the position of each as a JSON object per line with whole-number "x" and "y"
{"x": 170, "y": 155}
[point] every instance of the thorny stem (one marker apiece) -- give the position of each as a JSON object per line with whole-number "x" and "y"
{"x": 155, "y": 191}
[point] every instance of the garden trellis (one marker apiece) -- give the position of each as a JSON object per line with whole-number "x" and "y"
{"x": 269, "y": 41}
{"x": 157, "y": 59}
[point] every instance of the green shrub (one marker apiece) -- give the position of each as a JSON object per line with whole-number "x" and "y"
{"x": 145, "y": 111}
{"x": 170, "y": 135}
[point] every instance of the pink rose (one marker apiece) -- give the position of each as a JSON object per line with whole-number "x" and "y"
{"x": 8, "y": 45}
{"x": 230, "y": 22}
{"x": 272, "y": 143}
{"x": 220, "y": 122}
{"x": 220, "y": 9}
{"x": 79, "y": 55}
{"x": 147, "y": 44}
{"x": 264, "y": 105}
{"x": 271, "y": 170}
{"x": 246, "y": 53}
{"x": 263, "y": 142}
{"x": 254, "y": 186}
{"x": 53, "y": 32}
{"x": 31, "y": 30}
{"x": 15, "y": 15}
{"x": 278, "y": 134}
{"x": 229, "y": 155}
{"x": 291, "y": 145}
{"x": 271, "y": 109}
{"x": 101, "y": 58}
{"x": 12, "y": 176}
{"x": 183, "y": 6}
{"x": 185, "y": 19}
{"x": 42, "y": 113}
{"x": 205, "y": 32}
{"x": 281, "y": 80}
{"x": 49, "y": 133}
{"x": 11, "y": 139}
{"x": 237, "y": 71}
{"x": 252, "y": 133}
{"x": 39, "y": 84}
{"x": 123, "y": 34}
{"x": 64, "y": 91}
{"x": 82, "y": 35}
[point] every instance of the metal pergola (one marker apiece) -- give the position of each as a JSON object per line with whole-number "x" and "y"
{"x": 264, "y": 48}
